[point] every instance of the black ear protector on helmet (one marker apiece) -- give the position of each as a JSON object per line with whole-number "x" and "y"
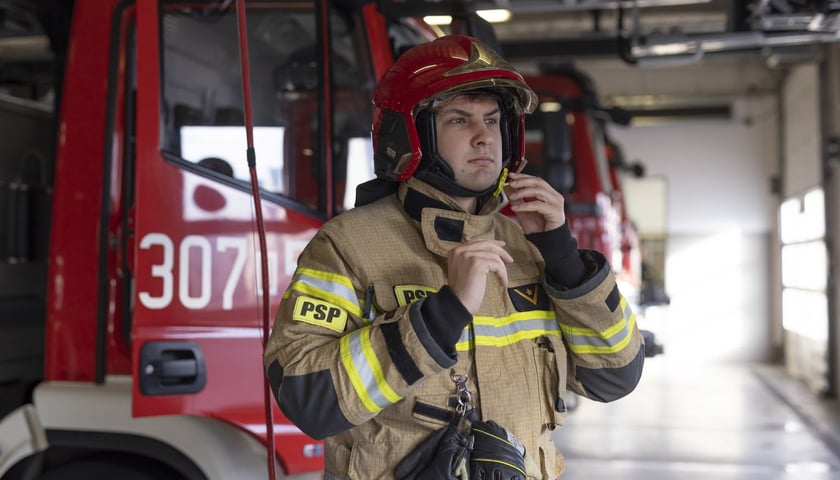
{"x": 434, "y": 170}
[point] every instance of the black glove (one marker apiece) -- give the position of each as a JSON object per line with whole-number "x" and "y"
{"x": 444, "y": 455}
{"x": 496, "y": 454}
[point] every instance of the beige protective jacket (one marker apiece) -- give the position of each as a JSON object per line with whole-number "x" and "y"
{"x": 351, "y": 358}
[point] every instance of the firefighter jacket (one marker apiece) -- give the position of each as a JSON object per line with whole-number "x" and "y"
{"x": 352, "y": 359}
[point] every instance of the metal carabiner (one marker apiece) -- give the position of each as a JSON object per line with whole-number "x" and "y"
{"x": 463, "y": 394}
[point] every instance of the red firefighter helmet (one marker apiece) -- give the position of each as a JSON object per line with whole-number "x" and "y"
{"x": 403, "y": 140}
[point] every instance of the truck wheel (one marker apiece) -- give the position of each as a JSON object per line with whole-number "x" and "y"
{"x": 106, "y": 469}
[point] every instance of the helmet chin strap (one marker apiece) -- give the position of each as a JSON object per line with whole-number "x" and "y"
{"x": 444, "y": 182}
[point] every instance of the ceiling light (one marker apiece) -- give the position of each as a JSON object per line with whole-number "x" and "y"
{"x": 438, "y": 19}
{"x": 550, "y": 107}
{"x": 497, "y": 15}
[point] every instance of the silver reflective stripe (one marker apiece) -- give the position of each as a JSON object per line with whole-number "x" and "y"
{"x": 611, "y": 340}
{"x": 327, "y": 286}
{"x": 502, "y": 331}
{"x": 365, "y": 371}
{"x": 512, "y": 332}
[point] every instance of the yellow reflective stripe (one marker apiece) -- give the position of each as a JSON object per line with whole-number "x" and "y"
{"x": 376, "y": 368}
{"x": 365, "y": 372}
{"x": 592, "y": 333}
{"x": 328, "y": 286}
{"x": 355, "y": 378}
{"x": 503, "y": 331}
{"x": 512, "y": 318}
{"x": 619, "y": 346}
{"x": 612, "y": 340}
{"x": 491, "y": 341}
{"x": 309, "y": 290}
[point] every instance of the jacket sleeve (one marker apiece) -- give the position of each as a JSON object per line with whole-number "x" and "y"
{"x": 606, "y": 351}
{"x": 332, "y": 361}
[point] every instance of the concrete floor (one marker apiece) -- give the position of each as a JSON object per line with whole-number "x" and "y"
{"x": 692, "y": 422}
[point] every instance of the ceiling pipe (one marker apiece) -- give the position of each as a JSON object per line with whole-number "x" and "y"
{"x": 651, "y": 52}
{"x": 669, "y": 50}
{"x": 638, "y": 49}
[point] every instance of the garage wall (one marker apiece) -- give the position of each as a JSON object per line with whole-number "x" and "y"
{"x": 802, "y": 136}
{"x": 806, "y": 347}
{"x": 720, "y": 217}
{"x": 831, "y": 117}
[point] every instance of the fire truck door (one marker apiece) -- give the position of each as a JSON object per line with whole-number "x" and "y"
{"x": 196, "y": 329}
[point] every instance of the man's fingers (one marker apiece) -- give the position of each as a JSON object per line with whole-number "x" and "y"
{"x": 501, "y": 273}
{"x": 479, "y": 247}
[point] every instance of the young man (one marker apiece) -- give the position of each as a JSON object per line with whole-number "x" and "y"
{"x": 426, "y": 303}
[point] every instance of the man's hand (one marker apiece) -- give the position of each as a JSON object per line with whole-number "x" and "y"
{"x": 470, "y": 263}
{"x": 538, "y": 206}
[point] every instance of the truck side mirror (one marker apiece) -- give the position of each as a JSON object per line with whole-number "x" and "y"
{"x": 557, "y": 150}
{"x": 620, "y": 116}
{"x": 637, "y": 169}
{"x": 299, "y": 73}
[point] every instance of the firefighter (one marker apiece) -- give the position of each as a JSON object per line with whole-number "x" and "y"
{"x": 424, "y": 333}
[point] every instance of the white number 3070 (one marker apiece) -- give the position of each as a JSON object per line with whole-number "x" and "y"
{"x": 198, "y": 248}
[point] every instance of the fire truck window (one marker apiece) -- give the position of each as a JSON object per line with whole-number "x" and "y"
{"x": 202, "y": 97}
{"x": 353, "y": 84}
{"x": 203, "y": 119}
{"x": 541, "y": 144}
{"x": 602, "y": 163}
{"x": 403, "y": 36}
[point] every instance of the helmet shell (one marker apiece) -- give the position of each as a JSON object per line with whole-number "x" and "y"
{"x": 445, "y": 66}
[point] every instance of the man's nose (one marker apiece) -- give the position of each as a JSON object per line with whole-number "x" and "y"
{"x": 483, "y": 135}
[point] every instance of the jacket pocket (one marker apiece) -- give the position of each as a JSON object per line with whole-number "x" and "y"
{"x": 550, "y": 361}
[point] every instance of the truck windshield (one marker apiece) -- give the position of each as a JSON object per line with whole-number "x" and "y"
{"x": 203, "y": 116}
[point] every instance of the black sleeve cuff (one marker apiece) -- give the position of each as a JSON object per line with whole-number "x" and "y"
{"x": 609, "y": 384}
{"x": 563, "y": 265}
{"x": 445, "y": 317}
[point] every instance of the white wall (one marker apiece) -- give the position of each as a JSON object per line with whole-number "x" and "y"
{"x": 720, "y": 216}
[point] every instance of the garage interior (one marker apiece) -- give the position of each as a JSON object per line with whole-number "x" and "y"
{"x": 736, "y": 121}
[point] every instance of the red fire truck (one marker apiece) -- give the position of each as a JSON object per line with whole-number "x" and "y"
{"x": 630, "y": 272}
{"x": 567, "y": 143}
{"x": 143, "y": 358}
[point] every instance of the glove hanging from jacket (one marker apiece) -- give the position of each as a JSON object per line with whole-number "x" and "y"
{"x": 496, "y": 454}
{"x": 444, "y": 455}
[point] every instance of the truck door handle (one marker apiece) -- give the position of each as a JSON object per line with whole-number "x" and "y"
{"x": 178, "y": 370}
{"x": 171, "y": 368}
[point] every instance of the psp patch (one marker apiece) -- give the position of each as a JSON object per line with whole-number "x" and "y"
{"x": 407, "y": 294}
{"x": 529, "y": 297}
{"x": 320, "y": 313}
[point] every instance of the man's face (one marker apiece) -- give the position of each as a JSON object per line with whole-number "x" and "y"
{"x": 469, "y": 139}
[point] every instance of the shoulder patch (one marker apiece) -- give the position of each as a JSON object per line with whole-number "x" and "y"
{"x": 407, "y": 294}
{"x": 529, "y": 297}
{"x": 320, "y": 313}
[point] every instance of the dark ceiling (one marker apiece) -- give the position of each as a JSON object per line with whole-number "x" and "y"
{"x": 639, "y": 32}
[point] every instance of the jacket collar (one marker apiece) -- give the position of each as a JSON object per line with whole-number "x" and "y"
{"x": 415, "y": 195}
{"x": 441, "y": 221}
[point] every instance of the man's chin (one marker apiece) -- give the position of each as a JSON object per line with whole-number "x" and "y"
{"x": 479, "y": 183}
